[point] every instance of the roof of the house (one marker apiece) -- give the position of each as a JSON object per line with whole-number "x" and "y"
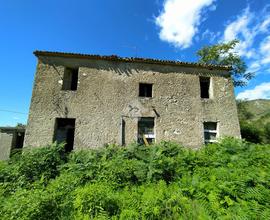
{"x": 129, "y": 59}
{"x": 20, "y": 129}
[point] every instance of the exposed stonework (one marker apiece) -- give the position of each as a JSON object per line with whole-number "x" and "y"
{"x": 107, "y": 94}
{"x": 10, "y": 138}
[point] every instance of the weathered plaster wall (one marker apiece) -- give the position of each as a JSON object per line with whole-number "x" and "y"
{"x": 108, "y": 91}
{"x": 6, "y": 139}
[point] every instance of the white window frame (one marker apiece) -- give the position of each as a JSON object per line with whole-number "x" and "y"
{"x": 211, "y": 132}
{"x": 149, "y": 135}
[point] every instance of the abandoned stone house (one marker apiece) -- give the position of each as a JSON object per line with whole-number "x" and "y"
{"x": 89, "y": 101}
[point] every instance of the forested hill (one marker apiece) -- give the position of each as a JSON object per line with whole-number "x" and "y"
{"x": 258, "y": 109}
{"x": 254, "y": 117}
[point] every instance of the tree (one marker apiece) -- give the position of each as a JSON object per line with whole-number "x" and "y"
{"x": 224, "y": 54}
{"x": 250, "y": 132}
{"x": 20, "y": 125}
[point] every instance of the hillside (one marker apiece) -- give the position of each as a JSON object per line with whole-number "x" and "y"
{"x": 260, "y": 108}
{"x": 254, "y": 117}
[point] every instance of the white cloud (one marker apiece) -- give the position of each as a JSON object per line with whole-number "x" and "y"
{"x": 264, "y": 27}
{"x": 248, "y": 27}
{"x": 254, "y": 67}
{"x": 265, "y": 50}
{"x": 261, "y": 91}
{"x": 212, "y": 7}
{"x": 240, "y": 29}
{"x": 236, "y": 27}
{"x": 180, "y": 19}
{"x": 210, "y": 35}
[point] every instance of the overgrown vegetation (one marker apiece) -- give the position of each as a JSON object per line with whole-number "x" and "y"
{"x": 254, "y": 117}
{"x": 225, "y": 54}
{"x": 229, "y": 180}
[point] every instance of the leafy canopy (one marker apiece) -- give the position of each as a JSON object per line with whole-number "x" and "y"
{"x": 224, "y": 54}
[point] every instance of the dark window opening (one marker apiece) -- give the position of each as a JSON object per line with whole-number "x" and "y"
{"x": 64, "y": 132}
{"x": 19, "y": 140}
{"x": 146, "y": 132}
{"x": 70, "y": 79}
{"x": 205, "y": 86}
{"x": 145, "y": 90}
{"x": 210, "y": 132}
{"x": 17, "y": 143}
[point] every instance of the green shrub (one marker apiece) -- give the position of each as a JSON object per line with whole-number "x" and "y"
{"x": 94, "y": 200}
{"x": 29, "y": 204}
{"x": 267, "y": 132}
{"x": 226, "y": 180}
{"x": 250, "y": 132}
{"x": 22, "y": 170}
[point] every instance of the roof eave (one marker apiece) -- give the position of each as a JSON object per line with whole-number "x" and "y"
{"x": 39, "y": 53}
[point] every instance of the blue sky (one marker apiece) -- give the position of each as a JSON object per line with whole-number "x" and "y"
{"x": 163, "y": 29}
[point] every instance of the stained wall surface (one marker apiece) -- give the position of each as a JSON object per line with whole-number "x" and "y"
{"x": 11, "y": 138}
{"x": 107, "y": 94}
{"x": 5, "y": 144}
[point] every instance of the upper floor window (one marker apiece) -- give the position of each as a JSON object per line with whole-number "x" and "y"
{"x": 145, "y": 90}
{"x": 70, "y": 79}
{"x": 205, "y": 87}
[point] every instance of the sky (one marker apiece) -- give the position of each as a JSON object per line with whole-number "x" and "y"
{"x": 162, "y": 29}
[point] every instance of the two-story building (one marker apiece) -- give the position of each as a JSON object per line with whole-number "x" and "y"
{"x": 89, "y": 101}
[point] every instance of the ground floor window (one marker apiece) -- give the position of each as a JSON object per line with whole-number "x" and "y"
{"x": 64, "y": 132}
{"x": 146, "y": 132}
{"x": 210, "y": 132}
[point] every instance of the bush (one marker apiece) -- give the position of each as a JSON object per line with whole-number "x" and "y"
{"x": 95, "y": 200}
{"x": 30, "y": 204}
{"x": 267, "y": 132}
{"x": 32, "y": 165}
{"x": 228, "y": 180}
{"x": 251, "y": 133}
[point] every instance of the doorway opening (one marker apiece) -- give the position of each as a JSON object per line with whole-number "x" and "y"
{"x": 64, "y": 132}
{"x": 146, "y": 132}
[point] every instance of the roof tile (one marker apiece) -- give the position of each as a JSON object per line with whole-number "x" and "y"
{"x": 129, "y": 59}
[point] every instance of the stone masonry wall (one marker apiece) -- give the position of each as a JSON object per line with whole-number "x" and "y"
{"x": 108, "y": 92}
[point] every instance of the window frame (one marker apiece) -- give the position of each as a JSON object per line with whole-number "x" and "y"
{"x": 148, "y": 135}
{"x": 210, "y": 131}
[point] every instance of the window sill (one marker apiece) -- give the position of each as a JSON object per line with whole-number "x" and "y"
{"x": 145, "y": 98}
{"x": 206, "y": 99}
{"x": 210, "y": 141}
{"x": 68, "y": 90}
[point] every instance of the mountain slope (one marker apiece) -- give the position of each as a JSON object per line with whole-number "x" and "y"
{"x": 254, "y": 110}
